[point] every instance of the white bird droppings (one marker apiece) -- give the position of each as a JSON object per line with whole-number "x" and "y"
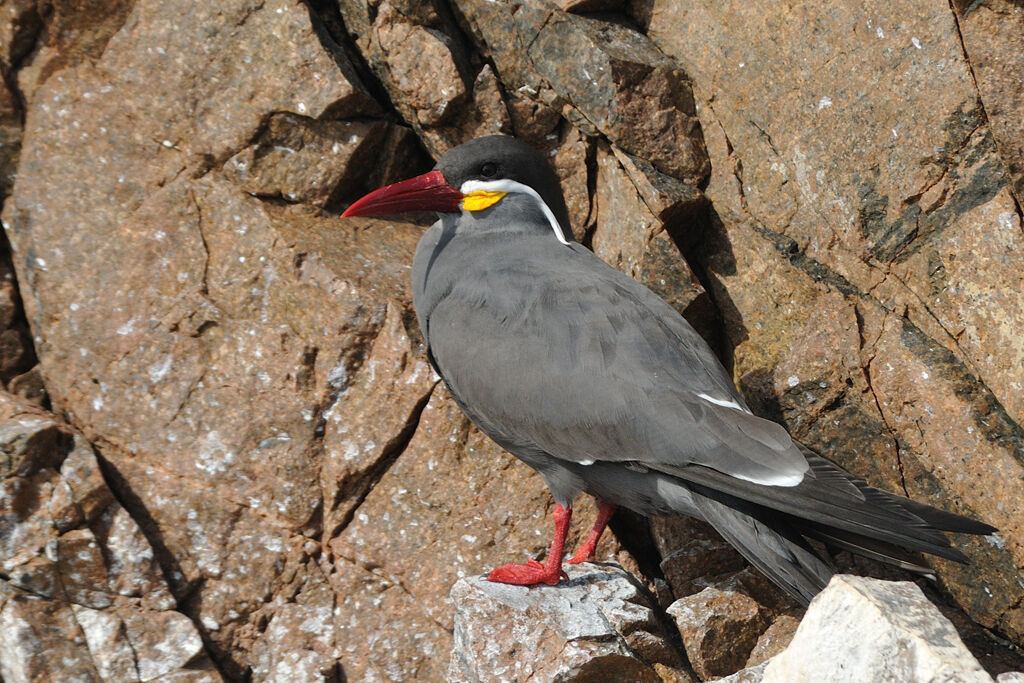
{"x": 159, "y": 370}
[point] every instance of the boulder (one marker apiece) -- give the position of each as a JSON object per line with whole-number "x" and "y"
{"x": 597, "y": 626}
{"x": 898, "y": 635}
{"x": 719, "y": 629}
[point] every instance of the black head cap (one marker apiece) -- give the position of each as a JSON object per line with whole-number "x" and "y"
{"x": 498, "y": 157}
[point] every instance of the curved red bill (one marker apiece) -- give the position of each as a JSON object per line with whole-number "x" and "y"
{"x": 427, "y": 192}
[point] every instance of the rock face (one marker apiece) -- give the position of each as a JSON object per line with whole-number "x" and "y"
{"x": 82, "y": 592}
{"x": 858, "y": 183}
{"x": 224, "y": 452}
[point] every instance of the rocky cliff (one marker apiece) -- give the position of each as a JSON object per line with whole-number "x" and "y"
{"x": 224, "y": 454}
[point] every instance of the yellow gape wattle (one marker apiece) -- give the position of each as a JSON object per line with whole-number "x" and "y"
{"x": 480, "y": 200}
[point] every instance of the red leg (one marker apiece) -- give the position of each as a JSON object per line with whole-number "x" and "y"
{"x": 586, "y": 551}
{"x": 533, "y": 572}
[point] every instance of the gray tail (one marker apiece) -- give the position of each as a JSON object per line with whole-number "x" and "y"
{"x": 769, "y": 543}
{"x": 775, "y": 543}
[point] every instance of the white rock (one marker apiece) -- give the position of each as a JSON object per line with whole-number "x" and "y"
{"x": 860, "y": 629}
{"x": 754, "y": 674}
{"x": 111, "y": 652}
{"x": 594, "y": 624}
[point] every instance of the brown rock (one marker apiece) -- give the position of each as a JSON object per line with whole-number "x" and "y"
{"x": 31, "y": 439}
{"x": 112, "y": 653}
{"x": 750, "y": 581}
{"x": 19, "y": 25}
{"x": 694, "y": 557}
{"x": 774, "y": 640}
{"x": 719, "y": 629}
{"x": 10, "y": 137}
{"x": 610, "y": 78}
{"x": 246, "y": 330}
{"x": 534, "y": 122}
{"x": 10, "y": 302}
{"x": 675, "y": 203}
{"x": 277, "y": 656}
{"x": 591, "y": 628}
{"x": 698, "y": 558}
{"x": 16, "y": 353}
{"x": 417, "y": 54}
{"x": 194, "y": 362}
{"x": 571, "y": 154}
{"x": 588, "y": 5}
{"x": 163, "y": 642}
{"x": 29, "y": 386}
{"x": 804, "y": 172}
{"x": 373, "y": 421}
{"x": 991, "y": 34}
{"x": 826, "y": 211}
{"x": 924, "y": 393}
{"x": 72, "y": 31}
{"x": 291, "y": 635}
{"x": 80, "y": 563}
{"x": 632, "y": 238}
{"x": 429, "y": 93}
{"x": 315, "y": 162}
{"x": 81, "y": 591}
{"x": 39, "y": 637}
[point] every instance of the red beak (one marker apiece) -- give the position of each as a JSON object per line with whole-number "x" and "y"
{"x": 427, "y": 192}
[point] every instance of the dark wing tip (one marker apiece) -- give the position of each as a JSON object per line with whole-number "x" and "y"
{"x": 945, "y": 521}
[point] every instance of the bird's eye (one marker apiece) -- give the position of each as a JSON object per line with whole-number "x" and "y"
{"x": 489, "y": 170}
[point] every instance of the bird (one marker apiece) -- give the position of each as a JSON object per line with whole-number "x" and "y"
{"x": 603, "y": 388}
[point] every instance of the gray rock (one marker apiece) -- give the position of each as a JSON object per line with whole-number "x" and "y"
{"x": 598, "y": 625}
{"x": 861, "y": 629}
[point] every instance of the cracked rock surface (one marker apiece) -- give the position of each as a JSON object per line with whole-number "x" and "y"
{"x": 82, "y": 593}
{"x": 224, "y": 454}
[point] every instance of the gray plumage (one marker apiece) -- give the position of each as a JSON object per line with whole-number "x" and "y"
{"x": 603, "y": 388}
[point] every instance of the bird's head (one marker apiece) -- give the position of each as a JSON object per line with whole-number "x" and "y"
{"x": 473, "y": 177}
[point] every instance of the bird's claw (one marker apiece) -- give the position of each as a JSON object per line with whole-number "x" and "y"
{"x": 581, "y": 556}
{"x": 529, "y": 574}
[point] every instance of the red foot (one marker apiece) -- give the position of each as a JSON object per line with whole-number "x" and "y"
{"x": 586, "y": 551}
{"x": 529, "y": 574}
{"x": 533, "y": 572}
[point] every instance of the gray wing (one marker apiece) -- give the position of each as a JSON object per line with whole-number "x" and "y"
{"x": 585, "y": 364}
